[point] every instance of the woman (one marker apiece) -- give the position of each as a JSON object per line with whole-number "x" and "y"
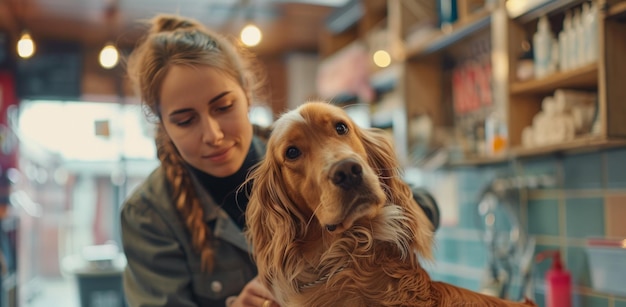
{"x": 182, "y": 228}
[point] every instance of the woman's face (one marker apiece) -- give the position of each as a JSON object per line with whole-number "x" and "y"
{"x": 205, "y": 113}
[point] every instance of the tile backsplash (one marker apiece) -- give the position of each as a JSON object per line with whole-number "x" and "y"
{"x": 588, "y": 199}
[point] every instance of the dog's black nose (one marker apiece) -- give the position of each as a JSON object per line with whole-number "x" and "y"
{"x": 347, "y": 174}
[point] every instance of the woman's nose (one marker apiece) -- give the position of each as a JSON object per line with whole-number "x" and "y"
{"x": 212, "y": 132}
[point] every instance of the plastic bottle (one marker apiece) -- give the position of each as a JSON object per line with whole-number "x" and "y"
{"x": 542, "y": 43}
{"x": 572, "y": 41}
{"x": 581, "y": 40}
{"x": 447, "y": 10}
{"x": 564, "y": 36}
{"x": 495, "y": 134}
{"x": 592, "y": 32}
{"x": 587, "y": 38}
{"x": 553, "y": 66}
{"x": 558, "y": 281}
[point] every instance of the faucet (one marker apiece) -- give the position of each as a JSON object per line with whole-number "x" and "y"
{"x": 507, "y": 250}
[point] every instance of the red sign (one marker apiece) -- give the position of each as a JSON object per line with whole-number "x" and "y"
{"x": 8, "y": 140}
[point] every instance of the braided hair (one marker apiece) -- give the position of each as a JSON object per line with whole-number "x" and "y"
{"x": 173, "y": 40}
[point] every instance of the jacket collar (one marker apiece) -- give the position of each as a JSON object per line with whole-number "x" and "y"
{"x": 225, "y": 227}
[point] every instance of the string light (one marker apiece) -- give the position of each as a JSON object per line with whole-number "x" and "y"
{"x": 25, "y": 46}
{"x": 251, "y": 35}
{"x": 109, "y": 56}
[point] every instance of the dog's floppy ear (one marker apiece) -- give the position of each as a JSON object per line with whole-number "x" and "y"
{"x": 272, "y": 226}
{"x": 381, "y": 157}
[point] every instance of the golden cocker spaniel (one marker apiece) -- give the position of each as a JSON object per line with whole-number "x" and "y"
{"x": 333, "y": 224}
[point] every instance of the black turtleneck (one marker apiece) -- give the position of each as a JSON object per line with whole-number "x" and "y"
{"x": 226, "y": 191}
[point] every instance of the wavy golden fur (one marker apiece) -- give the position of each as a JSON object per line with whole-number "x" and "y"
{"x": 333, "y": 224}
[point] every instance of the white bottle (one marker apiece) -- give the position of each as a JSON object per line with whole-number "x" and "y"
{"x": 578, "y": 47}
{"x": 583, "y": 39}
{"x": 542, "y": 43}
{"x": 564, "y": 63}
{"x": 554, "y": 56}
{"x": 592, "y": 32}
{"x": 572, "y": 43}
{"x": 586, "y": 25}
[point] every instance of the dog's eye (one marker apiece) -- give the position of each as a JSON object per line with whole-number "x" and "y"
{"x": 341, "y": 128}
{"x": 292, "y": 153}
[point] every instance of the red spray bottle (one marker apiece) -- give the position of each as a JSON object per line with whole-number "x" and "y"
{"x": 558, "y": 281}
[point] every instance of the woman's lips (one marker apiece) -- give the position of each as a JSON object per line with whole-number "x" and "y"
{"x": 218, "y": 156}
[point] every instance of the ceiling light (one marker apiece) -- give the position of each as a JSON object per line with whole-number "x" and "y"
{"x": 251, "y": 35}
{"x": 109, "y": 56}
{"x": 25, "y": 46}
{"x": 382, "y": 58}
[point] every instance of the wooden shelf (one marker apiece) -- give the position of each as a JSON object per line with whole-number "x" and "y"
{"x": 617, "y": 10}
{"x": 478, "y": 161}
{"x": 385, "y": 78}
{"x": 459, "y": 30}
{"x": 581, "y": 144}
{"x": 531, "y": 13}
{"x": 583, "y": 77}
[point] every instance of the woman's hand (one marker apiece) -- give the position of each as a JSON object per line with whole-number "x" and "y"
{"x": 254, "y": 294}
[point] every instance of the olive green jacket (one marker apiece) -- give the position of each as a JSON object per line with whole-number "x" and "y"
{"x": 162, "y": 267}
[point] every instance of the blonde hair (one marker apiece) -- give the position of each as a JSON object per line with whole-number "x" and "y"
{"x": 174, "y": 40}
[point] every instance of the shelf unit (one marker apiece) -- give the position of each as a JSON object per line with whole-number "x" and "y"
{"x": 421, "y": 75}
{"x": 601, "y": 77}
{"x": 443, "y": 39}
{"x": 617, "y": 10}
{"x": 580, "y": 144}
{"x": 585, "y": 77}
{"x": 427, "y": 78}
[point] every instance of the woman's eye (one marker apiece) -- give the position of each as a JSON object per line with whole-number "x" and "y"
{"x": 184, "y": 122}
{"x": 224, "y": 108}
{"x": 292, "y": 153}
{"x": 341, "y": 128}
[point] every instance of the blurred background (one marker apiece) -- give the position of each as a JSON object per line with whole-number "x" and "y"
{"x": 74, "y": 138}
{"x": 509, "y": 112}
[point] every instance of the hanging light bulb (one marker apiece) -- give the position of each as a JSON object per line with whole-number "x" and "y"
{"x": 382, "y": 58}
{"x": 109, "y": 56}
{"x": 251, "y": 35}
{"x": 25, "y": 46}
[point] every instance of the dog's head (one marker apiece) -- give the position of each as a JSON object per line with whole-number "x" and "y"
{"x": 322, "y": 172}
{"x": 327, "y": 166}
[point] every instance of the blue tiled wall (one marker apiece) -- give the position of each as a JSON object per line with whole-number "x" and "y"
{"x": 559, "y": 217}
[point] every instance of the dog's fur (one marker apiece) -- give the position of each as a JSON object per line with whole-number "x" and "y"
{"x": 333, "y": 224}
